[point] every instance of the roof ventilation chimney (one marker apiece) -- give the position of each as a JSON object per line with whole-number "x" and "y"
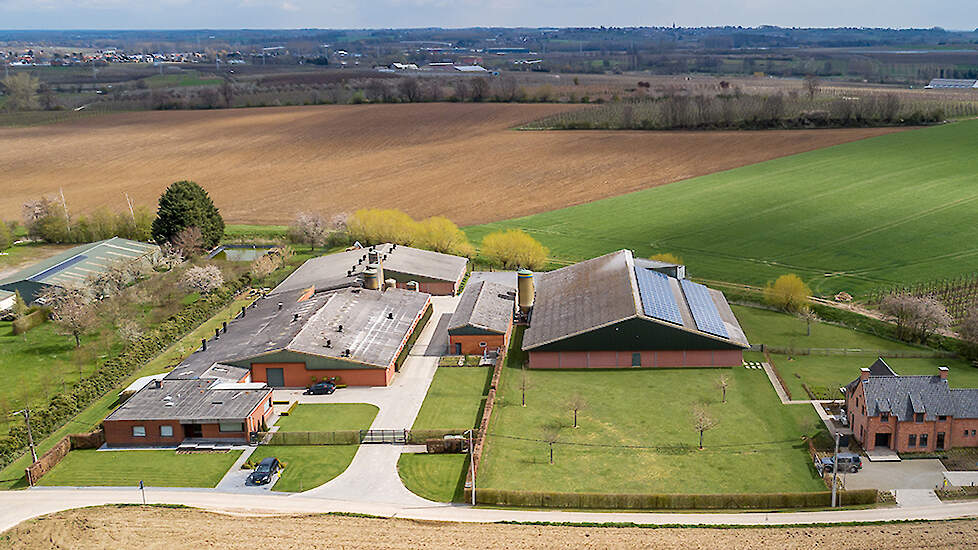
{"x": 295, "y": 317}
{"x": 280, "y": 306}
{"x": 157, "y": 384}
{"x": 224, "y": 327}
{"x": 346, "y": 352}
{"x": 389, "y": 284}
{"x": 524, "y": 280}
{"x": 390, "y": 314}
{"x": 217, "y": 333}
{"x": 339, "y": 328}
{"x": 372, "y": 257}
{"x": 412, "y": 285}
{"x": 243, "y": 310}
{"x": 329, "y": 343}
{"x": 371, "y": 279}
{"x": 203, "y": 344}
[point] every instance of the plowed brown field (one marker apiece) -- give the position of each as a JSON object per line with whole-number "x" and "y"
{"x": 459, "y": 160}
{"x": 169, "y": 529}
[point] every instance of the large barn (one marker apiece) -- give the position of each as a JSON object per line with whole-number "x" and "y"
{"x": 618, "y": 311}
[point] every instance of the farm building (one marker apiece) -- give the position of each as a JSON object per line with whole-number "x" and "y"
{"x": 435, "y": 273}
{"x": 167, "y": 412}
{"x": 76, "y": 265}
{"x": 291, "y": 339}
{"x": 910, "y": 413}
{"x": 951, "y": 83}
{"x": 619, "y": 311}
{"x": 483, "y": 320}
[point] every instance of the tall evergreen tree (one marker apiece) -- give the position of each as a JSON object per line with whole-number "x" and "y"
{"x": 185, "y": 204}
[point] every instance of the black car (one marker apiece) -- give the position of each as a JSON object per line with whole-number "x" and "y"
{"x": 265, "y": 471}
{"x": 321, "y": 388}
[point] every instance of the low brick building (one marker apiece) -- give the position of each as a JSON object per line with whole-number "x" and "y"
{"x": 167, "y": 412}
{"x": 483, "y": 320}
{"x": 910, "y": 413}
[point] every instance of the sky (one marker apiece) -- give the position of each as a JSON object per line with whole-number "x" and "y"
{"x": 344, "y": 14}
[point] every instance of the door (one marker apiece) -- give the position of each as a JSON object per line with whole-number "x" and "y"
{"x": 882, "y": 440}
{"x": 191, "y": 431}
{"x": 458, "y": 348}
{"x": 275, "y": 377}
{"x": 940, "y": 441}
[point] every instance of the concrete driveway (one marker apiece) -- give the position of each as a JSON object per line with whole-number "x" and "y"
{"x": 906, "y": 474}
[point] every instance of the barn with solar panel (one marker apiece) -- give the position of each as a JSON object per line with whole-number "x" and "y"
{"x": 75, "y": 266}
{"x": 618, "y": 311}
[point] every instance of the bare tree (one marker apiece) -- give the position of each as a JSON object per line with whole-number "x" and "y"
{"x": 576, "y": 403}
{"x": 461, "y": 90}
{"x": 168, "y": 258}
{"x": 916, "y": 317}
{"x": 227, "y": 92}
{"x": 506, "y": 88}
{"x": 202, "y": 279}
{"x": 480, "y": 88}
{"x": 968, "y": 329}
{"x": 702, "y": 421}
{"x": 189, "y": 242}
{"x": 409, "y": 89}
{"x": 129, "y": 331}
{"x": 551, "y": 435}
{"x": 524, "y": 383}
{"x": 71, "y": 309}
{"x": 309, "y": 228}
{"x": 812, "y": 86}
{"x": 263, "y": 266}
{"x": 808, "y": 314}
{"x": 723, "y": 382}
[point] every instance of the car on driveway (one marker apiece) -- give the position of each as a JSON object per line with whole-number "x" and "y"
{"x": 265, "y": 471}
{"x": 848, "y": 462}
{"x": 320, "y": 388}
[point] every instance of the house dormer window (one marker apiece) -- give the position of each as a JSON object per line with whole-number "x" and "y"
{"x": 918, "y": 417}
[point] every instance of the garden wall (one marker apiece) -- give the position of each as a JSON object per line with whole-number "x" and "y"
{"x": 68, "y": 443}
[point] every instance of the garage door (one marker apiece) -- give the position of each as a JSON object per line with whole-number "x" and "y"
{"x": 276, "y": 377}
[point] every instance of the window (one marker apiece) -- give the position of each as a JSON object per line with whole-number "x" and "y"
{"x": 139, "y": 431}
{"x": 231, "y": 426}
{"x": 942, "y": 418}
{"x": 483, "y": 344}
{"x": 923, "y": 440}
{"x": 966, "y": 433}
{"x": 972, "y": 432}
{"x": 884, "y": 417}
{"x": 636, "y": 359}
{"x": 166, "y": 431}
{"x": 918, "y": 417}
{"x": 912, "y": 440}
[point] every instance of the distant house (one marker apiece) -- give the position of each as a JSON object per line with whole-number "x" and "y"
{"x": 910, "y": 413}
{"x": 483, "y": 320}
{"x": 951, "y": 83}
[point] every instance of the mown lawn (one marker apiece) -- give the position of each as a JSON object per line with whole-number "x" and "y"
{"x": 437, "y": 477}
{"x": 307, "y": 466}
{"x": 329, "y": 417}
{"x": 126, "y": 468}
{"x": 454, "y": 399}
{"x": 824, "y": 375}
{"x": 636, "y": 434}
{"x": 852, "y": 217}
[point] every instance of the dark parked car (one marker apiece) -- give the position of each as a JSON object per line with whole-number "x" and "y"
{"x": 848, "y": 462}
{"x": 265, "y": 471}
{"x": 321, "y": 388}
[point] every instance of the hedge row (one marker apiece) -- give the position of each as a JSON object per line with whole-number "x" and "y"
{"x": 30, "y": 321}
{"x": 766, "y": 501}
{"x": 113, "y": 372}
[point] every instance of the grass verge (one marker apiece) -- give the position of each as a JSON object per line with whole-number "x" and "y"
{"x": 90, "y": 467}
{"x": 437, "y": 477}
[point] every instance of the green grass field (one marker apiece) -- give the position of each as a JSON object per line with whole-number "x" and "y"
{"x": 188, "y": 78}
{"x": 330, "y": 417}
{"x": 887, "y": 210}
{"x": 757, "y": 445}
{"x": 126, "y": 468}
{"x": 437, "y": 477}
{"x": 824, "y": 375}
{"x": 307, "y": 466}
{"x": 454, "y": 399}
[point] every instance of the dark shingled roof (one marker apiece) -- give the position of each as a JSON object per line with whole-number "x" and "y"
{"x": 485, "y": 305}
{"x": 904, "y": 396}
{"x": 192, "y": 401}
{"x": 330, "y": 271}
{"x": 965, "y": 403}
{"x": 602, "y": 291}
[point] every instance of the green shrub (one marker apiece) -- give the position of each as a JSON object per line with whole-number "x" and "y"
{"x": 611, "y": 501}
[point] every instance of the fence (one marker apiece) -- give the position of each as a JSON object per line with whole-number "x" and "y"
{"x": 68, "y": 443}
{"x": 856, "y": 352}
{"x": 353, "y": 437}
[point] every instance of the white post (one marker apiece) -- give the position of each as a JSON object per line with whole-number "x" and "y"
{"x": 835, "y": 471}
{"x": 471, "y": 465}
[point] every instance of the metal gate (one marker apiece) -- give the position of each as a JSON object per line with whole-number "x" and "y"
{"x": 384, "y": 436}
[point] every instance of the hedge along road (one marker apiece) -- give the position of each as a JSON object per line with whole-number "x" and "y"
{"x": 18, "y": 506}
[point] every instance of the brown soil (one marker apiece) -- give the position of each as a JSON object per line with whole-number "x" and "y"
{"x": 460, "y": 160}
{"x": 168, "y": 529}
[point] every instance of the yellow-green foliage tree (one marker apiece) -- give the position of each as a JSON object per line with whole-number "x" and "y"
{"x": 376, "y": 225}
{"x": 667, "y": 257}
{"x": 442, "y": 235}
{"x": 21, "y": 92}
{"x": 788, "y": 293}
{"x": 513, "y": 248}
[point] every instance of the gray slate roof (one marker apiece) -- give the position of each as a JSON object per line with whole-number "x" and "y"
{"x": 902, "y": 396}
{"x": 330, "y": 271}
{"x": 484, "y": 305}
{"x": 602, "y": 291}
{"x": 965, "y": 403}
{"x": 190, "y": 401}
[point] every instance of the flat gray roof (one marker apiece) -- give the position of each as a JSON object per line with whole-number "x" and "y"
{"x": 330, "y": 272}
{"x": 505, "y": 278}
{"x": 485, "y": 305}
{"x": 191, "y": 402}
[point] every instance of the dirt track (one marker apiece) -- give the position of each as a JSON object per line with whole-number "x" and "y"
{"x": 170, "y": 529}
{"x": 462, "y": 160}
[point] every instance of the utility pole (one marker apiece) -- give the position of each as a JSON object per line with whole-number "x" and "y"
{"x": 835, "y": 471}
{"x": 131, "y": 211}
{"x": 471, "y": 464}
{"x": 65, "y": 206}
{"x": 30, "y": 436}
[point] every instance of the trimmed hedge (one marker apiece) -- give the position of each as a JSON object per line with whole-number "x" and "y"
{"x": 767, "y": 501}
{"x": 414, "y": 337}
{"x": 30, "y": 321}
{"x": 114, "y": 371}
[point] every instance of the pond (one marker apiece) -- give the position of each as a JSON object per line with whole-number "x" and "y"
{"x": 239, "y": 253}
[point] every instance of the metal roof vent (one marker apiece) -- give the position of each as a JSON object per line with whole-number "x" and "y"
{"x": 339, "y": 328}
{"x": 390, "y": 314}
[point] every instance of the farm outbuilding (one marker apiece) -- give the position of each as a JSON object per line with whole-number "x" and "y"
{"x": 483, "y": 320}
{"x": 75, "y": 266}
{"x": 618, "y": 311}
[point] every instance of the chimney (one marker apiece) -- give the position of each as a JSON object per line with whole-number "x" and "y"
{"x": 524, "y": 280}
{"x": 224, "y": 327}
{"x": 371, "y": 279}
{"x": 864, "y": 374}
{"x": 329, "y": 343}
{"x": 339, "y": 328}
{"x": 157, "y": 384}
{"x": 217, "y": 333}
{"x": 295, "y": 317}
{"x": 243, "y": 310}
{"x": 390, "y": 314}
{"x": 203, "y": 344}
{"x": 943, "y": 372}
{"x": 280, "y": 306}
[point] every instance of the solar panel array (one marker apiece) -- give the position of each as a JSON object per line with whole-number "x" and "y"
{"x": 705, "y": 312}
{"x": 657, "y": 298}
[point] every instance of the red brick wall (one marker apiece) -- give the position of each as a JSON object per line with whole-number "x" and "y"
{"x": 296, "y": 375}
{"x": 623, "y": 359}
{"x": 118, "y": 433}
{"x": 435, "y": 289}
{"x": 957, "y": 436}
{"x": 470, "y": 343}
